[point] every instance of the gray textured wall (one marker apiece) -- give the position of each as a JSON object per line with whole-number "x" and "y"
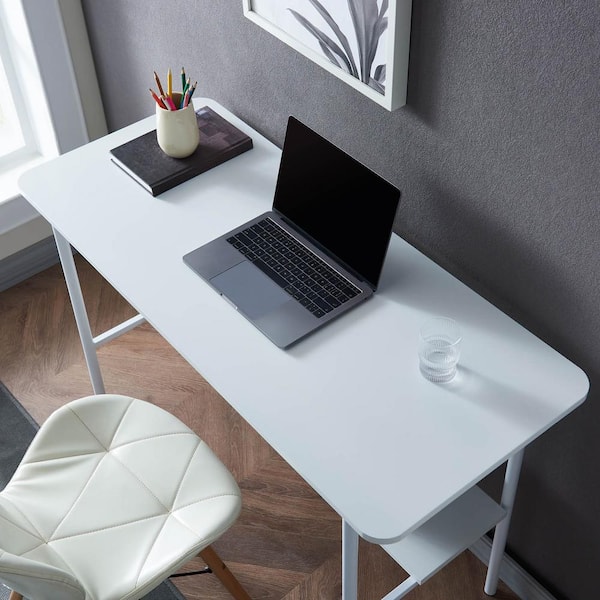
{"x": 496, "y": 155}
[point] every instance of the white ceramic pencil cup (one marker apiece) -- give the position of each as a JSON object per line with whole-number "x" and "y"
{"x": 177, "y": 130}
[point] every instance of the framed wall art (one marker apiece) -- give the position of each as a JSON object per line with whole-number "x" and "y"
{"x": 363, "y": 42}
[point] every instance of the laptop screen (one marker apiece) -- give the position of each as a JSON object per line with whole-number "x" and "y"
{"x": 343, "y": 206}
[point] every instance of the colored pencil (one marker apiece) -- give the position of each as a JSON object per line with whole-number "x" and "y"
{"x": 186, "y": 99}
{"x": 169, "y": 102}
{"x": 192, "y": 90}
{"x": 160, "y": 88}
{"x": 157, "y": 99}
{"x": 186, "y": 87}
{"x": 166, "y": 100}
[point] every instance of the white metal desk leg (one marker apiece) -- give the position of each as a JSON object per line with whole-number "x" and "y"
{"x": 511, "y": 481}
{"x": 349, "y": 562}
{"x": 81, "y": 318}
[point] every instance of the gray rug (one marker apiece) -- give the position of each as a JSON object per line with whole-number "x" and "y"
{"x": 17, "y": 429}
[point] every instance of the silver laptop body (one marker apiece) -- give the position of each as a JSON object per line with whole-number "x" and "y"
{"x": 317, "y": 254}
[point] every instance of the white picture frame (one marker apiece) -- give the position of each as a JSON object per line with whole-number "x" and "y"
{"x": 325, "y": 31}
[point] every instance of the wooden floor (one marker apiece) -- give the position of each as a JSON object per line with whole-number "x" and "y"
{"x": 286, "y": 544}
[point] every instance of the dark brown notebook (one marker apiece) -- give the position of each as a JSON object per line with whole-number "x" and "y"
{"x": 142, "y": 158}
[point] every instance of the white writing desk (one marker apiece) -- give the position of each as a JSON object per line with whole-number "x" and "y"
{"x": 395, "y": 455}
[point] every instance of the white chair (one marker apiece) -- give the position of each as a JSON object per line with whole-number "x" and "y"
{"x": 113, "y": 495}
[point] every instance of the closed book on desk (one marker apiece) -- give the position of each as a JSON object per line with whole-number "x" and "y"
{"x": 142, "y": 158}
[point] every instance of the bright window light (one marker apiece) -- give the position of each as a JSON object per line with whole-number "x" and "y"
{"x": 11, "y": 134}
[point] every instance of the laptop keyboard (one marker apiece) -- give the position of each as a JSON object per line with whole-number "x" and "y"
{"x": 292, "y": 266}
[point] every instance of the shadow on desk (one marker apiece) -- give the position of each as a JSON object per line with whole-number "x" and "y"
{"x": 504, "y": 401}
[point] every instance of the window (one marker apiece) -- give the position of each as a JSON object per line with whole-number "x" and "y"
{"x": 43, "y": 115}
{"x": 26, "y": 132}
{"x": 17, "y": 143}
{"x": 11, "y": 131}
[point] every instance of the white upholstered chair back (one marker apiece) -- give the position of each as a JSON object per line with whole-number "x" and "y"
{"x": 113, "y": 495}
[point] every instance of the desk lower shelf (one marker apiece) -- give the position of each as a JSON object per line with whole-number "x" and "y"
{"x": 446, "y": 535}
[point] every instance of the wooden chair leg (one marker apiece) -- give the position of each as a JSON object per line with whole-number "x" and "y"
{"x": 219, "y": 568}
{"x": 15, "y": 596}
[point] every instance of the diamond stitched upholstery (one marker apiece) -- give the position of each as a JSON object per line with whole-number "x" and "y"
{"x": 112, "y": 496}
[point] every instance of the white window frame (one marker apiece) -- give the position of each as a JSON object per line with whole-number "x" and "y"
{"x": 51, "y": 98}
{"x": 14, "y": 157}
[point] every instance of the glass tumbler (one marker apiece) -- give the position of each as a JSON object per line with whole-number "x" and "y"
{"x": 439, "y": 349}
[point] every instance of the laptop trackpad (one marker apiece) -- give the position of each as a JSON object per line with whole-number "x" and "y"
{"x": 250, "y": 290}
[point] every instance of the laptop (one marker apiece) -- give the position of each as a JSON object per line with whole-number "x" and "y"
{"x": 318, "y": 253}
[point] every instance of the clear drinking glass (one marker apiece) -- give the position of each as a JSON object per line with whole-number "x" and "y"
{"x": 439, "y": 349}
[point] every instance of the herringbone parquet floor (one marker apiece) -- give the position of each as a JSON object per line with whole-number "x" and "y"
{"x": 286, "y": 544}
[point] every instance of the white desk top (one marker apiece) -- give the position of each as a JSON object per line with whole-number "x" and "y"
{"x": 346, "y": 407}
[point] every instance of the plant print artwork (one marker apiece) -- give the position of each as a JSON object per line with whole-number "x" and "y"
{"x": 351, "y": 34}
{"x": 369, "y": 23}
